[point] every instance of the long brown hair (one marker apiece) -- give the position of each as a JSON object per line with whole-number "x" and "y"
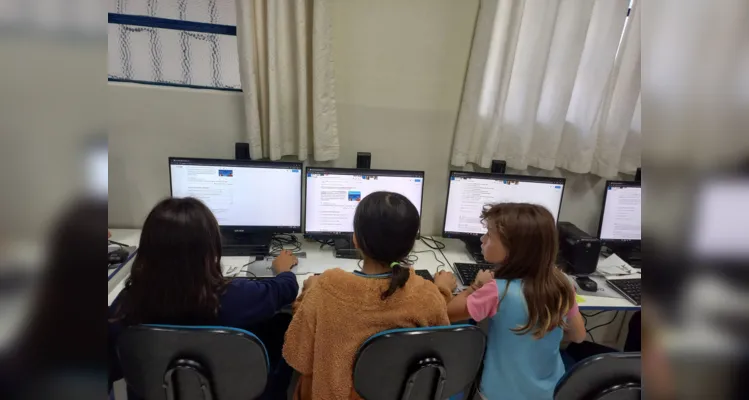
{"x": 176, "y": 276}
{"x": 529, "y": 234}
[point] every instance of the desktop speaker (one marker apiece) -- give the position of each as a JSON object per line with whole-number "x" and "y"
{"x": 498, "y": 166}
{"x": 242, "y": 151}
{"x": 578, "y": 249}
{"x": 363, "y": 160}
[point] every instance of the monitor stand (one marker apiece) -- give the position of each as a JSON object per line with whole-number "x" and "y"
{"x": 627, "y": 252}
{"x": 473, "y": 246}
{"x": 241, "y": 244}
{"x": 344, "y": 248}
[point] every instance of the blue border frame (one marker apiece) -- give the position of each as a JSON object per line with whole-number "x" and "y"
{"x": 175, "y": 24}
{"x": 176, "y": 85}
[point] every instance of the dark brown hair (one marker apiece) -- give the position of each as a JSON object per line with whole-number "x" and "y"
{"x": 386, "y": 225}
{"x": 529, "y": 234}
{"x": 176, "y": 276}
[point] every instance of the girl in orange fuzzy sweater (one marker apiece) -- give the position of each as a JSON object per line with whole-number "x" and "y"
{"x": 339, "y": 310}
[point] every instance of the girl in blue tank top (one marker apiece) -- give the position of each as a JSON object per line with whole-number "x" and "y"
{"x": 528, "y": 300}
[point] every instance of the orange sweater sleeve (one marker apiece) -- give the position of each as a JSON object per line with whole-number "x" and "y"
{"x": 436, "y": 307}
{"x": 298, "y": 348}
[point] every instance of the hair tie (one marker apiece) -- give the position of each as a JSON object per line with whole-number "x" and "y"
{"x": 395, "y": 264}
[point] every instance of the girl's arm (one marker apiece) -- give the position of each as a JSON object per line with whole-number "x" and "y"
{"x": 457, "y": 308}
{"x": 474, "y": 302}
{"x": 575, "y": 330}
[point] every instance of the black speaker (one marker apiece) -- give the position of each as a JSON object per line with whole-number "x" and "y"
{"x": 498, "y": 166}
{"x": 637, "y": 175}
{"x": 241, "y": 151}
{"x": 363, "y": 160}
{"x": 578, "y": 249}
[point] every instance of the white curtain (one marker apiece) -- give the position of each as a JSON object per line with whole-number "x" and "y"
{"x": 549, "y": 85}
{"x": 286, "y": 70}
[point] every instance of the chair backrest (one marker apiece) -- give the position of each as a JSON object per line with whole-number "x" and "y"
{"x": 419, "y": 363}
{"x": 609, "y": 376}
{"x": 172, "y": 362}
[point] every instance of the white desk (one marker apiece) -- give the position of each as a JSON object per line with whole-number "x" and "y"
{"x": 116, "y": 282}
{"x": 318, "y": 260}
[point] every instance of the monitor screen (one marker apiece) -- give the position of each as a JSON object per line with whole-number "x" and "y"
{"x": 719, "y": 231}
{"x": 333, "y": 194}
{"x": 469, "y": 192}
{"x": 248, "y": 194}
{"x": 620, "y": 218}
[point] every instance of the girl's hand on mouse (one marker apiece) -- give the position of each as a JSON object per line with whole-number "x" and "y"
{"x": 284, "y": 262}
{"x": 446, "y": 280}
{"x": 483, "y": 277}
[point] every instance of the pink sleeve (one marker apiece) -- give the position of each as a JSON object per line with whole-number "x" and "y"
{"x": 574, "y": 309}
{"x": 483, "y": 303}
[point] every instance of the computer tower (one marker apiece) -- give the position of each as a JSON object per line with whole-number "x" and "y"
{"x": 578, "y": 249}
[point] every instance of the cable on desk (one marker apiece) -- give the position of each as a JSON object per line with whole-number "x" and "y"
{"x": 594, "y": 314}
{"x": 123, "y": 245}
{"x": 411, "y": 258}
{"x": 242, "y": 268}
{"x": 441, "y": 263}
{"x": 323, "y": 243}
{"x": 589, "y": 331}
{"x": 284, "y": 241}
{"x": 438, "y": 246}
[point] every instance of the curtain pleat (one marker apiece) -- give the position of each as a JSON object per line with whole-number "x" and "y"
{"x": 288, "y": 93}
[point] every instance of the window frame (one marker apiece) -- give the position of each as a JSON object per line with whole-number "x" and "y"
{"x": 171, "y": 24}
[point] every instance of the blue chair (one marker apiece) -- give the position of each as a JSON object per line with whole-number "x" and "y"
{"x": 609, "y": 376}
{"x": 419, "y": 363}
{"x": 170, "y": 362}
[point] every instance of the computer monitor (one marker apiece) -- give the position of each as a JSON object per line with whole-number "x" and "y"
{"x": 332, "y": 195}
{"x": 469, "y": 192}
{"x": 245, "y": 196}
{"x": 621, "y": 214}
{"x": 716, "y": 229}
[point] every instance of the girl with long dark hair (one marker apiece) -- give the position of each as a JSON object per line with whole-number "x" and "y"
{"x": 176, "y": 278}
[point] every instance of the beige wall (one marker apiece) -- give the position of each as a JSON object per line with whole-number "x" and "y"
{"x": 399, "y": 68}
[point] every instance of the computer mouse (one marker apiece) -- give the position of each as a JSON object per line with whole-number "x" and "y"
{"x": 586, "y": 284}
{"x": 117, "y": 256}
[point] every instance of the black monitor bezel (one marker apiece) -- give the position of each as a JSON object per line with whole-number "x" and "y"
{"x": 250, "y": 164}
{"x": 492, "y": 176}
{"x": 606, "y": 242}
{"x": 356, "y": 171}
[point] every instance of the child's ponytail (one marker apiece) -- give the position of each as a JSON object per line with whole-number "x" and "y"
{"x": 398, "y": 280}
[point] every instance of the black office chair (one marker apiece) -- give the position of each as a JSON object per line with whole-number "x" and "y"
{"x": 610, "y": 376}
{"x": 173, "y": 362}
{"x": 419, "y": 363}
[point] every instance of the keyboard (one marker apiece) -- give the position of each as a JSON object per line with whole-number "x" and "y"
{"x": 424, "y": 274}
{"x": 467, "y": 272}
{"x": 243, "y": 251}
{"x": 252, "y": 278}
{"x": 629, "y": 288}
